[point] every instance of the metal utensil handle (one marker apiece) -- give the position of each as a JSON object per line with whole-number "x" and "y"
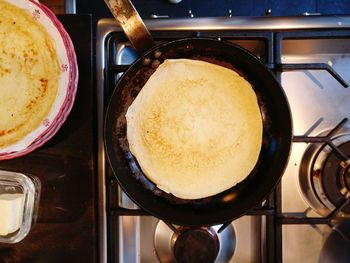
{"x": 132, "y": 24}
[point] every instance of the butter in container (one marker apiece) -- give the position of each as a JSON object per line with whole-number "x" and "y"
{"x": 19, "y": 198}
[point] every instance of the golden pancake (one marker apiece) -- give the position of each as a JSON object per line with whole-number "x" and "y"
{"x": 195, "y": 128}
{"x": 29, "y": 73}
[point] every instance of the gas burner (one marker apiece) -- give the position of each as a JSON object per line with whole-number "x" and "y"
{"x": 324, "y": 175}
{"x": 194, "y": 244}
{"x": 336, "y": 246}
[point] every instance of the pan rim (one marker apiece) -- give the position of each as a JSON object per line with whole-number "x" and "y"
{"x": 214, "y": 220}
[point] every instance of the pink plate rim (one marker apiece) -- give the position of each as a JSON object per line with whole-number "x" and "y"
{"x": 68, "y": 102}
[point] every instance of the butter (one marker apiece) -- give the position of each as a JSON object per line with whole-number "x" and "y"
{"x": 11, "y": 212}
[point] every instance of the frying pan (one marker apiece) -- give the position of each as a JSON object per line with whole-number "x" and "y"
{"x": 277, "y": 128}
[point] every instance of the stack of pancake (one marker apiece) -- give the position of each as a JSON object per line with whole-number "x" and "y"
{"x": 29, "y": 73}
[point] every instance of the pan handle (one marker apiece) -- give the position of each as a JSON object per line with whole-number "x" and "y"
{"x": 132, "y": 24}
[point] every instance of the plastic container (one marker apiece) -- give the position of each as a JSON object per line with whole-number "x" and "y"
{"x": 19, "y": 199}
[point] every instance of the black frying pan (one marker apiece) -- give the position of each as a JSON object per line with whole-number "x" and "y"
{"x": 234, "y": 202}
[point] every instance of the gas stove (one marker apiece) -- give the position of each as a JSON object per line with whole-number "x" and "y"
{"x": 308, "y": 213}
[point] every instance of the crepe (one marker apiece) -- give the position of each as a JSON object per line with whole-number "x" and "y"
{"x": 195, "y": 128}
{"x": 29, "y": 73}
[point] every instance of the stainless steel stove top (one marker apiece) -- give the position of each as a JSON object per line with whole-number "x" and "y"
{"x": 318, "y": 103}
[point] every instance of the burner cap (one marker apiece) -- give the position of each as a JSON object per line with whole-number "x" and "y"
{"x": 196, "y": 245}
{"x": 344, "y": 177}
{"x": 335, "y": 177}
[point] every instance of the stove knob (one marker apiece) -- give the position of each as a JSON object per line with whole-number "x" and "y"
{"x": 174, "y": 1}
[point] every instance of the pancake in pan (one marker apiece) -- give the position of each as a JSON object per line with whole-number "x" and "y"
{"x": 195, "y": 128}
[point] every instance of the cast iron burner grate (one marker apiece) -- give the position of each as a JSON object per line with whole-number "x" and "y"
{"x": 339, "y": 201}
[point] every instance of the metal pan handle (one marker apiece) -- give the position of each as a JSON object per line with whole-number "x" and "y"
{"x": 132, "y": 24}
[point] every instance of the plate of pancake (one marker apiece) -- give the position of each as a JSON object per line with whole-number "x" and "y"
{"x": 38, "y": 76}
